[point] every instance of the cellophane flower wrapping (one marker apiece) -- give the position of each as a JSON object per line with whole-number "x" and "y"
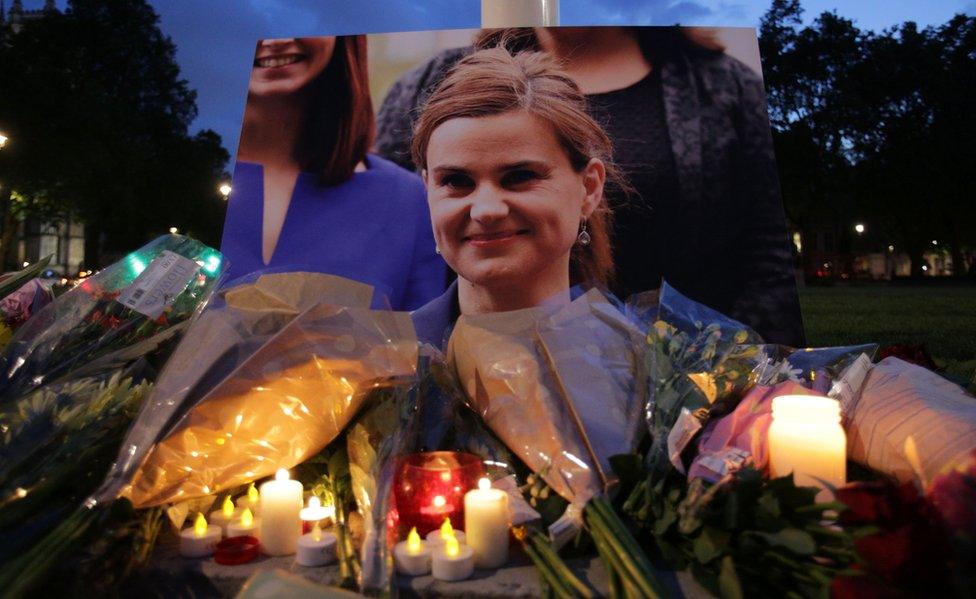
{"x": 281, "y": 405}
{"x": 232, "y": 328}
{"x": 558, "y": 384}
{"x": 909, "y": 422}
{"x": 428, "y": 414}
{"x": 128, "y": 307}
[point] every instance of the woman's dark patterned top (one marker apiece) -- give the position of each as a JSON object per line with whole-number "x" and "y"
{"x": 718, "y": 219}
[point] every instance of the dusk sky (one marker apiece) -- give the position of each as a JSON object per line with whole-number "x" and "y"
{"x": 215, "y": 38}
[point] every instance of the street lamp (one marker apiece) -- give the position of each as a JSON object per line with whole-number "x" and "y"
{"x": 3, "y": 140}
{"x": 859, "y": 228}
{"x": 174, "y": 230}
{"x": 225, "y": 190}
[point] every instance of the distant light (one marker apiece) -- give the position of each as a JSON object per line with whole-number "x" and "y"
{"x": 3, "y": 140}
{"x": 859, "y": 228}
{"x": 934, "y": 242}
{"x": 891, "y": 248}
{"x": 174, "y": 230}
{"x": 225, "y": 190}
{"x": 925, "y": 267}
{"x": 26, "y": 264}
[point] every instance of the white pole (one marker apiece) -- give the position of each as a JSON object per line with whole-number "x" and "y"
{"x": 519, "y": 13}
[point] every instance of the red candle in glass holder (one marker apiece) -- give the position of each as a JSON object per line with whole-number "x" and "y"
{"x": 431, "y": 486}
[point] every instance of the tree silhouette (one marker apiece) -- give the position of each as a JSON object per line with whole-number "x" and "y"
{"x": 99, "y": 117}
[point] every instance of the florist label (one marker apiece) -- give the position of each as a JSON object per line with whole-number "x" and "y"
{"x": 157, "y": 286}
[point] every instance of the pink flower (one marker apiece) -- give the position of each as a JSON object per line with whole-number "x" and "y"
{"x": 17, "y": 307}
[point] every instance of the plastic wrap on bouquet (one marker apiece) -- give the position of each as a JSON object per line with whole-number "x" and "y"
{"x": 700, "y": 364}
{"x": 590, "y": 347}
{"x": 910, "y": 422}
{"x": 129, "y": 306}
{"x": 555, "y": 383}
{"x": 238, "y": 322}
{"x": 283, "y": 404}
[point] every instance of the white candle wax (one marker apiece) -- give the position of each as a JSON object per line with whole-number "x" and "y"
{"x": 806, "y": 439}
{"x": 435, "y": 539}
{"x": 519, "y": 13}
{"x": 226, "y": 515}
{"x": 281, "y": 502}
{"x": 246, "y": 526}
{"x": 251, "y": 500}
{"x": 412, "y": 557}
{"x": 199, "y": 540}
{"x": 316, "y": 548}
{"x": 316, "y": 512}
{"x": 452, "y": 562}
{"x": 486, "y": 520}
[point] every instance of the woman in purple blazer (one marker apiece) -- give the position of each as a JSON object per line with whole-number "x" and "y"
{"x": 307, "y": 196}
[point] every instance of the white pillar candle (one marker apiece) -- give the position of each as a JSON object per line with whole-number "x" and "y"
{"x": 251, "y": 500}
{"x": 199, "y": 540}
{"x": 246, "y": 526}
{"x": 519, "y": 13}
{"x": 316, "y": 548}
{"x": 225, "y": 515}
{"x": 486, "y": 520}
{"x": 412, "y": 557}
{"x": 453, "y": 561}
{"x": 437, "y": 538}
{"x": 806, "y": 438}
{"x": 281, "y": 502}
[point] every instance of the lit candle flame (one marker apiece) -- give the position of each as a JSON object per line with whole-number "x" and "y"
{"x": 316, "y": 532}
{"x": 252, "y": 494}
{"x": 484, "y": 484}
{"x": 281, "y": 474}
{"x": 314, "y": 502}
{"x": 446, "y": 529}
{"x": 200, "y": 525}
{"x": 228, "y": 507}
{"x": 413, "y": 541}
{"x": 247, "y": 518}
{"x": 439, "y": 501}
{"x": 451, "y": 546}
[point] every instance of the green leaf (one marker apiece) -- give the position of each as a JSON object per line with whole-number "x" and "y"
{"x": 768, "y": 512}
{"x": 791, "y": 539}
{"x": 710, "y": 544}
{"x": 728, "y": 580}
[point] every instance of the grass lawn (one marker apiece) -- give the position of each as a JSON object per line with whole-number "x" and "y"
{"x": 943, "y": 318}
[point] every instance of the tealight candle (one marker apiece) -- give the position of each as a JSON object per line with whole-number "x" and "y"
{"x": 486, "y": 520}
{"x": 225, "y": 515}
{"x": 251, "y": 500}
{"x": 806, "y": 438}
{"x": 281, "y": 502}
{"x": 199, "y": 540}
{"x": 247, "y": 526}
{"x": 453, "y": 561}
{"x": 412, "y": 556}
{"x": 316, "y": 548}
{"x": 315, "y": 513}
{"x": 437, "y": 538}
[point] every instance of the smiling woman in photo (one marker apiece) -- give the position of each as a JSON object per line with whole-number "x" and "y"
{"x": 515, "y": 171}
{"x": 306, "y": 194}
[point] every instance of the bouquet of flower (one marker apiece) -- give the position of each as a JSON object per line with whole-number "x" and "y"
{"x": 62, "y": 428}
{"x": 129, "y": 307}
{"x": 281, "y": 405}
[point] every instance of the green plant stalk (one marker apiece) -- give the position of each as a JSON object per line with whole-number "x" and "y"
{"x": 621, "y": 584}
{"x": 21, "y": 574}
{"x": 549, "y": 577}
{"x": 630, "y": 552}
{"x": 556, "y": 563}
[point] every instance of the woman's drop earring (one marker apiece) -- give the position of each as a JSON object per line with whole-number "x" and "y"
{"x": 584, "y": 237}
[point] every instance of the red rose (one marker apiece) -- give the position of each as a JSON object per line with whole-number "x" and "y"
{"x": 954, "y": 495}
{"x": 860, "y": 587}
{"x": 867, "y": 503}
